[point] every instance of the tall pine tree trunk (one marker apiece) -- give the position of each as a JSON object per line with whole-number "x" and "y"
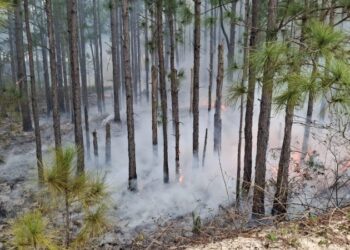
{"x": 174, "y": 86}
{"x": 196, "y": 67}
{"x": 241, "y": 117}
{"x": 248, "y": 127}
{"x": 74, "y": 68}
{"x": 83, "y": 73}
{"x": 232, "y": 43}
{"x": 21, "y": 67}
{"x": 219, "y": 84}
{"x": 154, "y": 105}
{"x": 96, "y": 58}
{"x": 147, "y": 60}
{"x": 264, "y": 117}
{"x": 52, "y": 50}
{"x": 162, "y": 87}
{"x": 33, "y": 94}
{"x": 129, "y": 97}
{"x": 211, "y": 58}
{"x": 116, "y": 73}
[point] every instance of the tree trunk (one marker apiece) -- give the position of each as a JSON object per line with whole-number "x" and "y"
{"x": 21, "y": 76}
{"x": 74, "y": 68}
{"x": 116, "y": 73}
{"x": 154, "y": 105}
{"x": 129, "y": 98}
{"x": 57, "y": 30}
{"x": 33, "y": 95}
{"x": 244, "y": 79}
{"x": 146, "y": 52}
{"x": 231, "y": 47}
{"x": 248, "y": 127}
{"x": 108, "y": 143}
{"x": 65, "y": 80}
{"x": 45, "y": 66}
{"x": 100, "y": 55}
{"x": 196, "y": 67}
{"x": 174, "y": 87}
{"x": 211, "y": 59}
{"x": 281, "y": 196}
{"x": 84, "y": 74}
{"x": 264, "y": 117}
{"x": 12, "y": 48}
{"x": 163, "y": 92}
{"x": 95, "y": 143}
{"x": 52, "y": 50}
{"x": 219, "y": 84}
{"x": 96, "y": 58}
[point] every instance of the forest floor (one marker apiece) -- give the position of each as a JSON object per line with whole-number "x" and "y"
{"x": 224, "y": 231}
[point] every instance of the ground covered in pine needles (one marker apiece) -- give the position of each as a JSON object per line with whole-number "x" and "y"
{"x": 327, "y": 231}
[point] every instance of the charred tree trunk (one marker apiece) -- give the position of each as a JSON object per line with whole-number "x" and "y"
{"x": 129, "y": 97}
{"x": 116, "y": 73}
{"x": 219, "y": 84}
{"x": 248, "y": 127}
{"x": 264, "y": 117}
{"x": 55, "y": 107}
{"x": 196, "y": 67}
{"x": 162, "y": 86}
{"x": 74, "y": 68}
{"x": 39, "y": 156}
{"x": 21, "y": 67}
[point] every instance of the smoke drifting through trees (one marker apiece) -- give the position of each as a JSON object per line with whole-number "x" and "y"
{"x": 143, "y": 54}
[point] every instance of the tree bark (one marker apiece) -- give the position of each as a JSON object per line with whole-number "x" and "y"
{"x": 99, "y": 28}
{"x": 21, "y": 67}
{"x": 147, "y": 60}
{"x": 196, "y": 67}
{"x": 84, "y": 74}
{"x": 264, "y": 117}
{"x": 154, "y": 105}
{"x": 74, "y": 68}
{"x": 108, "y": 143}
{"x": 174, "y": 87}
{"x": 96, "y": 58}
{"x": 116, "y": 73}
{"x": 55, "y": 107}
{"x": 248, "y": 127}
{"x": 231, "y": 47}
{"x": 211, "y": 59}
{"x": 162, "y": 85}
{"x": 39, "y": 156}
{"x": 219, "y": 84}
{"x": 129, "y": 97}
{"x": 244, "y": 79}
